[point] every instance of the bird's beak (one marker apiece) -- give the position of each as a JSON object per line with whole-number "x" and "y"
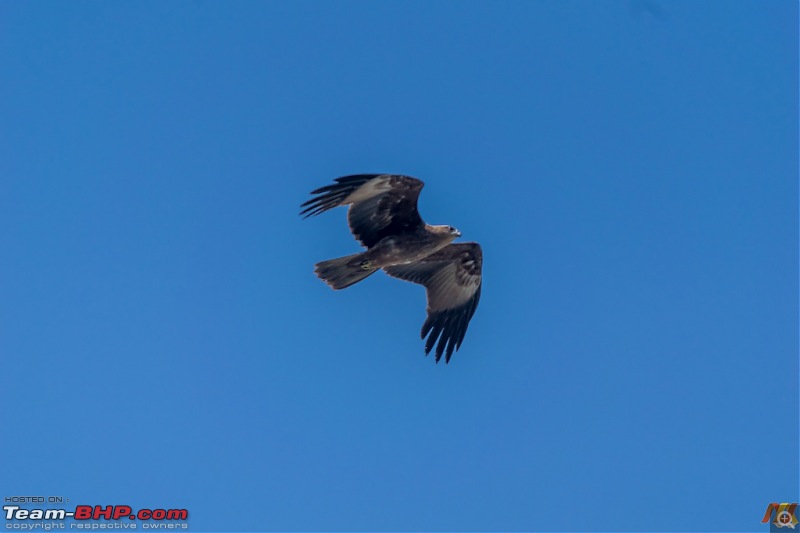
{"x": 458, "y": 233}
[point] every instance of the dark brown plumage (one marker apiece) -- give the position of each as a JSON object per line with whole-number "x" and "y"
{"x": 383, "y": 216}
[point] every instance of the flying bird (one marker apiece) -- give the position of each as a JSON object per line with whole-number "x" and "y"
{"x": 383, "y": 217}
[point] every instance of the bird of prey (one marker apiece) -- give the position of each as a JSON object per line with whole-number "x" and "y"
{"x": 383, "y": 216}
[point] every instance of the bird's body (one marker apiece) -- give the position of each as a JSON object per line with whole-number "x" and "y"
{"x": 383, "y": 216}
{"x": 408, "y": 247}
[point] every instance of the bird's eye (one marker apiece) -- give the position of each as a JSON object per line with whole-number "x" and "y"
{"x": 452, "y": 229}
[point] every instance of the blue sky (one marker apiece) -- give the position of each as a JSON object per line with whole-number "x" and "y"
{"x": 630, "y": 169}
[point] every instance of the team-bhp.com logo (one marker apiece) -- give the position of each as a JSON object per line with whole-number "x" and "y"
{"x": 784, "y": 514}
{"x": 94, "y": 513}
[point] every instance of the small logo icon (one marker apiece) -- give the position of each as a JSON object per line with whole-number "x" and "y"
{"x": 784, "y": 514}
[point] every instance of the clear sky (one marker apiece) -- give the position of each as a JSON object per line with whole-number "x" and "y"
{"x": 629, "y": 167}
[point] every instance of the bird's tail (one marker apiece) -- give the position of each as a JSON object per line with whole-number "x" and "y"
{"x": 344, "y": 271}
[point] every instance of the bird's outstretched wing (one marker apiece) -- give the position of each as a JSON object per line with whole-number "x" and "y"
{"x": 452, "y": 279}
{"x": 381, "y": 204}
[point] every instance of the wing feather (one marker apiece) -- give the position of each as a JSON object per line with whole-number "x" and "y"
{"x": 380, "y": 204}
{"x": 452, "y": 278}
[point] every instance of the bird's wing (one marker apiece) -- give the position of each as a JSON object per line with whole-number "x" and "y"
{"x": 452, "y": 279}
{"x": 381, "y": 204}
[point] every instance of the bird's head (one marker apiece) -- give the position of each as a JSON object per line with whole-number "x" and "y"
{"x": 448, "y": 231}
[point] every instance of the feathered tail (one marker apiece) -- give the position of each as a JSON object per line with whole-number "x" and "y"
{"x": 344, "y": 271}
